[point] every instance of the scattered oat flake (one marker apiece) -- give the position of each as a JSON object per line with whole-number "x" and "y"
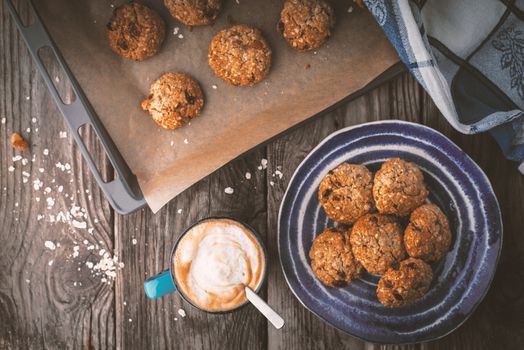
{"x": 350, "y": 9}
{"x": 50, "y": 263}
{"x": 179, "y": 211}
{"x": 16, "y": 158}
{"x": 62, "y": 134}
{"x": 50, "y": 245}
{"x": 11, "y": 168}
{"x": 79, "y": 224}
{"x": 180, "y": 36}
{"x": 50, "y": 202}
{"x": 134, "y": 241}
{"x": 175, "y": 30}
{"x": 46, "y": 152}
{"x": 186, "y": 141}
{"x": 248, "y": 175}
{"x": 37, "y": 184}
{"x": 271, "y": 183}
{"x": 181, "y": 312}
{"x": 279, "y": 173}
{"x": 33, "y": 120}
{"x": 214, "y": 87}
{"x": 3, "y": 120}
{"x": 229, "y": 190}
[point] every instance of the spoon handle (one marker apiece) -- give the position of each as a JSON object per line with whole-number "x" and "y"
{"x": 264, "y": 308}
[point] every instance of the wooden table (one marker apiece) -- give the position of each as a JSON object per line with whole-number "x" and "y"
{"x": 61, "y": 304}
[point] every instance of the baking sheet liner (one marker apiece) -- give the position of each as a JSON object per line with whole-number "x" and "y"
{"x": 234, "y": 119}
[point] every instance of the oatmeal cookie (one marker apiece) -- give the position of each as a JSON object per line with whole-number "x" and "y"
{"x": 174, "y": 99}
{"x": 346, "y": 193}
{"x": 135, "y": 31}
{"x": 331, "y": 259}
{"x": 399, "y": 187}
{"x": 240, "y": 55}
{"x": 427, "y": 236}
{"x": 194, "y": 12}
{"x": 404, "y": 283}
{"x": 376, "y": 242}
{"x": 306, "y": 24}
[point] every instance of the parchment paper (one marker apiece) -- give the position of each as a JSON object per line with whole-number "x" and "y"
{"x": 234, "y": 119}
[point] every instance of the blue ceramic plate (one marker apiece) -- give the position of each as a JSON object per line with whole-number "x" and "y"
{"x": 457, "y": 185}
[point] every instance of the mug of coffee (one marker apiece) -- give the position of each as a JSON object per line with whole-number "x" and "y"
{"x": 211, "y": 264}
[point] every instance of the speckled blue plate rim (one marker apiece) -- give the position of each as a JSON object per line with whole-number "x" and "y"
{"x": 494, "y": 221}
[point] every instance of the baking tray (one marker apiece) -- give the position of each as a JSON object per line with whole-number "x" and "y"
{"x": 123, "y": 192}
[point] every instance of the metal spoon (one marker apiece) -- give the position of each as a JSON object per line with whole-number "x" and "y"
{"x": 264, "y": 308}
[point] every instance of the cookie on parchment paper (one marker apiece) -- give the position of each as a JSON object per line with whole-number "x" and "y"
{"x": 240, "y": 55}
{"x": 194, "y": 12}
{"x": 306, "y": 24}
{"x": 135, "y": 31}
{"x": 174, "y": 99}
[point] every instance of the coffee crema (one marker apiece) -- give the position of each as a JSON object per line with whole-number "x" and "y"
{"x": 214, "y": 260}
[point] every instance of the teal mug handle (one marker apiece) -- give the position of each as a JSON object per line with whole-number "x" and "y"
{"x": 159, "y": 285}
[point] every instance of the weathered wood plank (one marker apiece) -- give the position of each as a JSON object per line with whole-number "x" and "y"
{"x": 153, "y": 323}
{"x": 46, "y": 301}
{"x": 58, "y": 306}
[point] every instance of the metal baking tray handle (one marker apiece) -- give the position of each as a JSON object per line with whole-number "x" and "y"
{"x": 123, "y": 192}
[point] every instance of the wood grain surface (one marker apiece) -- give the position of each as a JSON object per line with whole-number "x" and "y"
{"x": 49, "y": 299}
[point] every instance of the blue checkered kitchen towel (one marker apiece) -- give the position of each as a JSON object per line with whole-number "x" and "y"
{"x": 469, "y": 56}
